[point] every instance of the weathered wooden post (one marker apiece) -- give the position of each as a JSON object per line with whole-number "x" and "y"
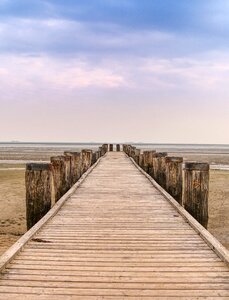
{"x": 101, "y": 151}
{"x": 75, "y": 165}
{"x": 141, "y": 160}
{"x": 67, "y": 172}
{"x": 39, "y": 191}
{"x": 132, "y": 151}
{"x": 128, "y": 150}
{"x": 137, "y": 155}
{"x": 162, "y": 171}
{"x": 97, "y": 153}
{"x": 94, "y": 158}
{"x": 196, "y": 189}
{"x": 111, "y": 147}
{"x": 173, "y": 176}
{"x": 150, "y": 164}
{"x": 86, "y": 159}
{"x": 147, "y": 160}
{"x": 118, "y": 147}
{"x": 105, "y": 148}
{"x": 59, "y": 176}
{"x": 125, "y": 148}
{"x": 158, "y": 168}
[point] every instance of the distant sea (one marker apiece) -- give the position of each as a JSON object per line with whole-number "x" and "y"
{"x": 212, "y": 148}
{"x": 19, "y": 152}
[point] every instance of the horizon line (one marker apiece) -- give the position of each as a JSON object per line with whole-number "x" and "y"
{"x": 98, "y": 143}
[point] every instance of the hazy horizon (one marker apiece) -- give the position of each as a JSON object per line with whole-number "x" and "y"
{"x": 114, "y": 142}
{"x": 123, "y": 70}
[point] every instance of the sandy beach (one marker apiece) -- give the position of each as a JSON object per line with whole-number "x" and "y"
{"x": 12, "y": 193}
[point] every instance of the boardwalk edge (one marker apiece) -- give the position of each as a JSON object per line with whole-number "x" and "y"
{"x": 212, "y": 242}
{"x": 17, "y": 247}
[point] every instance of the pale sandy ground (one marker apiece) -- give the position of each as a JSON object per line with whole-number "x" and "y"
{"x": 12, "y": 207}
{"x": 12, "y": 202}
{"x": 218, "y": 223}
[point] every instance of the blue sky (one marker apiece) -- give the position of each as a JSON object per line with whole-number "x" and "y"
{"x": 112, "y": 70}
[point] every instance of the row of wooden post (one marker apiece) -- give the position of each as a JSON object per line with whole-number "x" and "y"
{"x": 189, "y": 186}
{"x": 46, "y": 183}
{"x": 118, "y": 147}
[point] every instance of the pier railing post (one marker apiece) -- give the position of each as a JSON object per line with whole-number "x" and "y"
{"x": 132, "y": 152}
{"x": 137, "y": 155}
{"x": 141, "y": 160}
{"x": 101, "y": 151}
{"x": 67, "y": 172}
{"x": 39, "y": 191}
{"x": 97, "y": 154}
{"x": 129, "y": 150}
{"x": 147, "y": 160}
{"x": 159, "y": 168}
{"x": 174, "y": 177}
{"x": 105, "y": 148}
{"x": 94, "y": 158}
{"x": 59, "y": 176}
{"x": 75, "y": 159}
{"x": 196, "y": 189}
{"x": 86, "y": 159}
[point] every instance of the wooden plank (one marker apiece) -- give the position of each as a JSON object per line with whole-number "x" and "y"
{"x": 98, "y": 273}
{"x": 136, "y": 269}
{"x": 158, "y": 278}
{"x": 29, "y": 296}
{"x": 114, "y": 285}
{"x": 115, "y": 292}
{"x": 40, "y": 263}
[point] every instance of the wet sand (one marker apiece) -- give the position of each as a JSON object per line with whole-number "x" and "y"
{"x": 12, "y": 197}
{"x": 218, "y": 223}
{"x": 12, "y": 207}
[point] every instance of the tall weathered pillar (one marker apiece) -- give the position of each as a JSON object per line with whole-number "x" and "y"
{"x": 174, "y": 177}
{"x": 86, "y": 159}
{"x": 59, "y": 176}
{"x": 137, "y": 155}
{"x": 94, "y": 158}
{"x": 118, "y": 147}
{"x": 39, "y": 191}
{"x": 67, "y": 172}
{"x": 159, "y": 167}
{"x": 75, "y": 165}
{"x": 196, "y": 189}
{"x": 141, "y": 160}
{"x": 105, "y": 148}
{"x": 147, "y": 160}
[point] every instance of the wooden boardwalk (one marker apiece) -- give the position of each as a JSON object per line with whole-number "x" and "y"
{"x": 116, "y": 237}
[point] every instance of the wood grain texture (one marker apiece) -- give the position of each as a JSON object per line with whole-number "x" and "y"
{"x": 39, "y": 191}
{"x": 116, "y": 236}
{"x": 196, "y": 189}
{"x": 59, "y": 170}
{"x": 173, "y": 177}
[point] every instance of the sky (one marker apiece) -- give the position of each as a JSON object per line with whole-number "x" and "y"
{"x": 114, "y": 71}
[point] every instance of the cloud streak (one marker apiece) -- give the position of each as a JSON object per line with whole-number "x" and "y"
{"x": 104, "y": 61}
